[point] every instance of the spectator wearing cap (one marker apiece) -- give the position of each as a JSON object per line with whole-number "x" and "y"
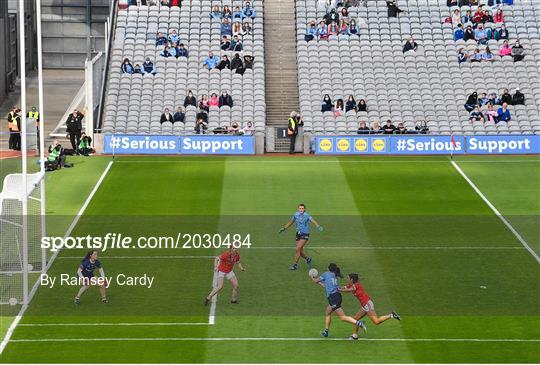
{"x": 225, "y": 100}
{"x": 518, "y": 98}
{"x": 392, "y": 8}
{"x": 148, "y": 67}
{"x": 332, "y": 16}
{"x": 389, "y": 128}
{"x": 503, "y": 114}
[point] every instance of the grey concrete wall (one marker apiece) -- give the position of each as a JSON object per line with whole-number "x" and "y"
{"x": 3, "y": 47}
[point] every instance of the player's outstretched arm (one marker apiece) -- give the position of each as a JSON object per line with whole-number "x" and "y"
{"x": 242, "y": 268}
{"x": 289, "y": 223}
{"x": 319, "y": 227}
{"x": 346, "y": 289}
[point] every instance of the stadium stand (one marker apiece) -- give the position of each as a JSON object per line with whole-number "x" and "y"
{"x": 429, "y": 85}
{"x": 134, "y": 102}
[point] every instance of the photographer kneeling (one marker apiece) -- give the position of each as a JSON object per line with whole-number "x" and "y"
{"x": 57, "y": 157}
{"x": 85, "y": 146}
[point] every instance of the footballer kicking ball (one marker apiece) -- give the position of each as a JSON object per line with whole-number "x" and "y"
{"x": 313, "y": 273}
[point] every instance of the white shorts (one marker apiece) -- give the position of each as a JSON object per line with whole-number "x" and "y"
{"x": 228, "y": 275}
{"x": 368, "y": 307}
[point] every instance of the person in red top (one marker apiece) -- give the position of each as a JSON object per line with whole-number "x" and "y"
{"x": 223, "y": 266}
{"x": 366, "y": 305}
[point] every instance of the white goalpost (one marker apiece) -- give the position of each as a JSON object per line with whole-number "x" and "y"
{"x": 22, "y": 196}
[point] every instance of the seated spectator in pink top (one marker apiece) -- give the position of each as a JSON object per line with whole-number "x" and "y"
{"x": 505, "y": 50}
{"x": 491, "y": 114}
{"x": 333, "y": 29}
{"x": 214, "y": 100}
{"x": 499, "y": 16}
{"x": 343, "y": 28}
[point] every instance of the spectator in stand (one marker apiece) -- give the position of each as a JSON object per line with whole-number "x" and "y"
{"x": 518, "y": 52}
{"x": 483, "y": 99}
{"x": 190, "y": 99}
{"x": 518, "y": 98}
{"x": 175, "y": 3}
{"x": 350, "y": 104}
{"x": 506, "y": 97}
{"x": 179, "y": 116}
{"x": 401, "y": 129}
{"x": 326, "y": 104}
{"x": 174, "y": 50}
{"x": 456, "y": 16}
{"x": 333, "y": 29}
{"x": 311, "y": 32}
{"x": 469, "y": 34}
{"x": 451, "y": 3}
{"x": 224, "y": 63}
{"x": 248, "y": 11}
{"x": 137, "y": 69}
{"x": 392, "y": 8}
{"x": 237, "y": 29}
{"x": 236, "y": 44}
{"x": 211, "y": 61}
{"x": 487, "y": 56}
{"x": 505, "y": 50}
{"x": 214, "y": 100}
{"x": 215, "y": 13}
{"x": 127, "y": 67}
{"x": 467, "y": 18}
{"x": 332, "y": 16}
{"x": 476, "y": 115}
{"x": 410, "y": 46}
{"x": 225, "y": 43}
{"x": 478, "y": 16}
{"x": 338, "y": 108}
{"x": 462, "y": 55}
{"x": 472, "y": 101}
{"x": 322, "y": 30}
{"x": 494, "y": 99}
{"x": 234, "y": 129}
{"x": 237, "y": 13}
{"x": 227, "y": 13}
{"x": 491, "y": 114}
{"x": 248, "y": 129}
{"x": 166, "y": 117}
{"x": 363, "y": 128}
{"x": 226, "y": 28}
{"x": 148, "y": 67}
{"x": 477, "y": 56}
{"x": 203, "y": 104}
{"x": 161, "y": 40}
{"x": 343, "y": 27}
{"x": 389, "y": 128}
{"x": 362, "y": 106}
{"x": 236, "y": 62}
{"x": 459, "y": 33}
{"x": 248, "y": 61}
{"x": 246, "y": 29}
{"x": 181, "y": 51}
{"x": 225, "y": 100}
{"x": 499, "y": 16}
{"x": 353, "y": 28}
{"x": 480, "y": 34}
{"x": 201, "y": 124}
{"x": 166, "y": 52}
{"x": 487, "y": 17}
{"x": 173, "y": 37}
{"x": 376, "y": 128}
{"x": 501, "y": 33}
{"x": 503, "y": 114}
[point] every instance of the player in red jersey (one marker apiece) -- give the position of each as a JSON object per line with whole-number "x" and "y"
{"x": 366, "y": 305}
{"x": 224, "y": 265}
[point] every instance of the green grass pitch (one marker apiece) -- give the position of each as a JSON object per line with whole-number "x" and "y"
{"x": 423, "y": 241}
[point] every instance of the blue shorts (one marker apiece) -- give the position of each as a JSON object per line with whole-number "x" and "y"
{"x": 302, "y": 236}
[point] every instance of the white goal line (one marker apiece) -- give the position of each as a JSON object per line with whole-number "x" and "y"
{"x": 114, "y": 324}
{"x": 275, "y": 339}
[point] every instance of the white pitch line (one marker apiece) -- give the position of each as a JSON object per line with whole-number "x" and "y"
{"x": 497, "y": 213}
{"x": 104, "y": 257}
{"x": 308, "y": 161}
{"x": 275, "y": 339}
{"x": 17, "y": 319}
{"x": 114, "y": 324}
{"x": 213, "y": 302}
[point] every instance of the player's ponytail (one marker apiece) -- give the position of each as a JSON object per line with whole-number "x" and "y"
{"x": 88, "y": 255}
{"x": 354, "y": 277}
{"x": 335, "y": 269}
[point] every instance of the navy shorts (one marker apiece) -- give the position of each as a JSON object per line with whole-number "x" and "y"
{"x": 334, "y": 300}
{"x": 302, "y": 236}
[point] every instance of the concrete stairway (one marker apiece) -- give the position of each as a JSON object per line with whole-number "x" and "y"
{"x": 280, "y": 59}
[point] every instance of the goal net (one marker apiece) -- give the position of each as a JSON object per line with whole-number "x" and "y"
{"x": 20, "y": 237}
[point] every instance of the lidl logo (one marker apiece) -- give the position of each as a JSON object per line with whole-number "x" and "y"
{"x": 361, "y": 145}
{"x": 343, "y": 145}
{"x": 325, "y": 144}
{"x": 378, "y": 145}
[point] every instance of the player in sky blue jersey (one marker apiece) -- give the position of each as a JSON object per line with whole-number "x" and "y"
{"x": 302, "y": 220}
{"x": 329, "y": 281}
{"x": 87, "y": 277}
